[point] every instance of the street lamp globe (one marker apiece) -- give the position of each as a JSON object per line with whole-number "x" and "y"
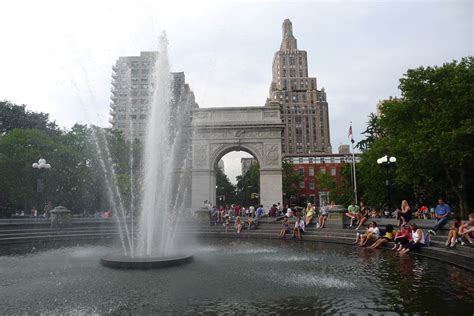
{"x": 41, "y": 164}
{"x": 393, "y": 159}
{"x": 379, "y": 161}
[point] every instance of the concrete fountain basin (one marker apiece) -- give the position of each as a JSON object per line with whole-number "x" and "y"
{"x": 121, "y": 261}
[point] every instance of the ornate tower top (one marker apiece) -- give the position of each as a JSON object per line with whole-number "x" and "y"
{"x": 288, "y": 41}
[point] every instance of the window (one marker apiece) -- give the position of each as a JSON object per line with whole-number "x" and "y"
{"x": 322, "y": 170}
{"x": 142, "y": 117}
{"x": 311, "y": 172}
{"x": 333, "y": 171}
{"x": 301, "y": 170}
{"x": 311, "y": 185}
{"x": 301, "y": 184}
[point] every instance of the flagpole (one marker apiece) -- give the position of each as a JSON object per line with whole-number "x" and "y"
{"x": 354, "y": 167}
{"x": 355, "y": 177}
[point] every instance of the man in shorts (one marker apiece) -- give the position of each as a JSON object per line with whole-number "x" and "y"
{"x": 352, "y": 211}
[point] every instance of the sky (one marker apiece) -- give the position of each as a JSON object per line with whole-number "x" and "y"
{"x": 56, "y": 56}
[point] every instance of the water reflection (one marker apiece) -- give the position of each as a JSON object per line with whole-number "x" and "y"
{"x": 279, "y": 277}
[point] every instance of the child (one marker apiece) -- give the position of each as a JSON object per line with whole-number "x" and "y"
{"x": 251, "y": 222}
{"x": 467, "y": 230}
{"x": 285, "y": 225}
{"x": 238, "y": 224}
{"x": 389, "y": 235}
{"x": 226, "y": 222}
{"x": 453, "y": 232}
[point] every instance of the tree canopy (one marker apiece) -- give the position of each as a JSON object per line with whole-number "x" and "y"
{"x": 430, "y": 131}
{"x": 79, "y": 171}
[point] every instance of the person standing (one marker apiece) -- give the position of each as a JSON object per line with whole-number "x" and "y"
{"x": 47, "y": 208}
{"x": 442, "y": 212}
{"x": 404, "y": 215}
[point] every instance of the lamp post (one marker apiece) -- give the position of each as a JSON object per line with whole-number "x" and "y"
{"x": 40, "y": 165}
{"x": 387, "y": 162}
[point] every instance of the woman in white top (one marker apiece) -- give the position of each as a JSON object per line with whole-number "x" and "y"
{"x": 372, "y": 233}
{"x": 299, "y": 227}
{"x": 418, "y": 239}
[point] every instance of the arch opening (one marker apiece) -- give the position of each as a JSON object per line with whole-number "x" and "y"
{"x": 237, "y": 178}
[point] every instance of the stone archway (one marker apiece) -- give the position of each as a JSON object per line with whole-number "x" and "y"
{"x": 217, "y": 131}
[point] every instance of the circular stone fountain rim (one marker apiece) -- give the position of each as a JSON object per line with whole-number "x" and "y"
{"x": 120, "y": 261}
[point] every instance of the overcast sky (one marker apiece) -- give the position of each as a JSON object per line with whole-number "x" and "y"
{"x": 56, "y": 56}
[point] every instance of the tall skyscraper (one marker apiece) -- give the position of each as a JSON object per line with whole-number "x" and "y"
{"x": 303, "y": 108}
{"x": 132, "y": 93}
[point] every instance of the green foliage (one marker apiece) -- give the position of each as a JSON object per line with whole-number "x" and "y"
{"x": 82, "y": 160}
{"x": 430, "y": 131}
{"x": 16, "y": 116}
{"x": 247, "y": 184}
{"x": 225, "y": 190}
{"x": 290, "y": 179}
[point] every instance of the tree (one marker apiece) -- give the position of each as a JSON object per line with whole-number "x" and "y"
{"x": 429, "y": 130}
{"x": 247, "y": 184}
{"x": 225, "y": 190}
{"x": 16, "y": 116}
{"x": 372, "y": 133}
{"x": 291, "y": 179}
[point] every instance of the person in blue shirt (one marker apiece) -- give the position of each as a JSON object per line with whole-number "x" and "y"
{"x": 259, "y": 212}
{"x": 442, "y": 212}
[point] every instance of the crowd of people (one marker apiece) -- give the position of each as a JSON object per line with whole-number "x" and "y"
{"x": 229, "y": 215}
{"x": 406, "y": 235}
{"x": 409, "y": 236}
{"x": 34, "y": 213}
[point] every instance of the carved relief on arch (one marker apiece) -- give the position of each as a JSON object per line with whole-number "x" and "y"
{"x": 200, "y": 155}
{"x": 257, "y": 149}
{"x": 272, "y": 154}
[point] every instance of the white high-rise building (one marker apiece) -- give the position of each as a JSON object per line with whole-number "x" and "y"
{"x": 132, "y": 93}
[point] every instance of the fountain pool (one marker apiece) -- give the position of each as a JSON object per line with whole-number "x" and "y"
{"x": 234, "y": 276}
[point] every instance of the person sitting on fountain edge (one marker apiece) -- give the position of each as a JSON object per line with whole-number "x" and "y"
{"x": 442, "y": 212}
{"x": 259, "y": 212}
{"x": 299, "y": 227}
{"x": 238, "y": 224}
{"x": 352, "y": 211}
{"x": 285, "y": 226}
{"x": 251, "y": 222}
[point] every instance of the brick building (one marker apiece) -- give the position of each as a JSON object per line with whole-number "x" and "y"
{"x": 313, "y": 165}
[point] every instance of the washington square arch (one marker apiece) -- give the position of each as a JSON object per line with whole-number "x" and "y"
{"x": 218, "y": 131}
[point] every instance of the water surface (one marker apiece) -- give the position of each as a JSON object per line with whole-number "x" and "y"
{"x": 233, "y": 276}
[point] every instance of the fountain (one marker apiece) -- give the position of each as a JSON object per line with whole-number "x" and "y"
{"x": 163, "y": 192}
